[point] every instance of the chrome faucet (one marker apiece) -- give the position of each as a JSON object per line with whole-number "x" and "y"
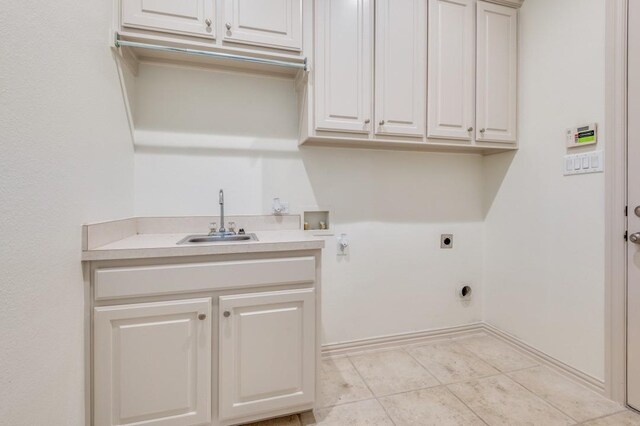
{"x": 222, "y": 230}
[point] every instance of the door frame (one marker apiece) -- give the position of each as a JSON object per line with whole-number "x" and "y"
{"x": 616, "y": 199}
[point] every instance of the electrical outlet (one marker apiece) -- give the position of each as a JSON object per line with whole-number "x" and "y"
{"x": 446, "y": 241}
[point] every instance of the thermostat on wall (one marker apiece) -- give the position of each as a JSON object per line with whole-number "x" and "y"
{"x": 581, "y": 136}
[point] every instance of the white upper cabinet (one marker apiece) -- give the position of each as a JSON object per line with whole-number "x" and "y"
{"x": 188, "y": 17}
{"x": 400, "y": 67}
{"x": 451, "y": 73}
{"x": 267, "y": 352}
{"x": 343, "y": 65}
{"x": 271, "y": 23}
{"x": 497, "y": 73}
{"x": 152, "y": 364}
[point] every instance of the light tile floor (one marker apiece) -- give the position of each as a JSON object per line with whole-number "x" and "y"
{"x": 475, "y": 380}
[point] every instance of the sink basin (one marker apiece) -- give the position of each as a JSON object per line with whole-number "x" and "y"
{"x": 203, "y": 239}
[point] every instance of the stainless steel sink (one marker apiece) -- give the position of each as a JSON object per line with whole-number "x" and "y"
{"x": 203, "y": 239}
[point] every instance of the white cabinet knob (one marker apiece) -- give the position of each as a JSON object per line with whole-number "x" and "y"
{"x": 228, "y": 25}
{"x": 208, "y": 22}
{"x": 381, "y": 122}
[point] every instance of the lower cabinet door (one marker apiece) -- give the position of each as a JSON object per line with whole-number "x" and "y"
{"x": 267, "y": 352}
{"x": 152, "y": 363}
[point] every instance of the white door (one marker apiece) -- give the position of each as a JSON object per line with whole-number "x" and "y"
{"x": 271, "y": 23}
{"x": 190, "y": 17}
{"x": 400, "y": 67}
{"x": 633, "y": 311}
{"x": 152, "y": 364}
{"x": 497, "y": 65}
{"x": 267, "y": 352}
{"x": 451, "y": 90}
{"x": 343, "y": 65}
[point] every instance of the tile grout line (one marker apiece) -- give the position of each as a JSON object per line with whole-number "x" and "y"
{"x": 375, "y": 397}
{"x": 459, "y": 381}
{"x": 406, "y": 350}
{"x": 624, "y": 410}
{"x": 466, "y": 405}
{"x": 542, "y": 399}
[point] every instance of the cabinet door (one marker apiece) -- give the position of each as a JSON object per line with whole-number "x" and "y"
{"x": 343, "y": 65}
{"x": 267, "y": 352}
{"x": 451, "y": 88}
{"x": 497, "y": 73}
{"x": 400, "y": 67}
{"x": 272, "y": 23}
{"x": 190, "y": 17}
{"x": 152, "y": 364}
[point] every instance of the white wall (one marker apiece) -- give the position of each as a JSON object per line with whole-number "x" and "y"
{"x": 544, "y": 245}
{"x": 66, "y": 159}
{"x": 206, "y": 130}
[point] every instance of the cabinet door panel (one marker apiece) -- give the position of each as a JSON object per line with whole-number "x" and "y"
{"x": 180, "y": 17}
{"x": 497, "y": 73}
{"x": 343, "y": 65}
{"x": 451, "y": 69}
{"x": 400, "y": 67}
{"x": 153, "y": 363}
{"x": 267, "y": 352}
{"x": 272, "y": 23}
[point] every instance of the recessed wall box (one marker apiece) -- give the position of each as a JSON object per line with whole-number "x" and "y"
{"x": 581, "y": 136}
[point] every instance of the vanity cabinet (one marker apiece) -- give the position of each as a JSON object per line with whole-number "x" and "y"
{"x": 267, "y": 343}
{"x": 212, "y": 340}
{"x": 188, "y": 17}
{"x": 497, "y": 65}
{"x": 271, "y": 23}
{"x": 153, "y": 363}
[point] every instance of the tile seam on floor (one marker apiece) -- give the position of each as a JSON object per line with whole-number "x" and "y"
{"x": 375, "y": 397}
{"x": 549, "y": 402}
{"x": 554, "y": 405}
{"x": 424, "y": 367}
{"x": 498, "y": 372}
{"x": 466, "y": 405}
{"x": 624, "y": 410}
{"x": 542, "y": 399}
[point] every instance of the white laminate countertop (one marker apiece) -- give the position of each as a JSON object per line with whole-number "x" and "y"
{"x": 143, "y": 246}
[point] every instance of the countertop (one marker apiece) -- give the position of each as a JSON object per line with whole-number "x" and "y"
{"x": 143, "y": 246}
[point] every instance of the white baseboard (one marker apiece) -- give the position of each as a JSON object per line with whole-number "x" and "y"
{"x": 333, "y": 349}
{"x": 363, "y": 345}
{"x": 545, "y": 359}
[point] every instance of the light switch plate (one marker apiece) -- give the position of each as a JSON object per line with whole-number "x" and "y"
{"x": 580, "y": 164}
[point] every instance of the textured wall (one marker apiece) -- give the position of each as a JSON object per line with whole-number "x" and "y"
{"x": 65, "y": 159}
{"x": 544, "y": 247}
{"x": 204, "y": 130}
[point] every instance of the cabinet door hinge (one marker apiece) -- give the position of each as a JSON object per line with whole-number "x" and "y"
{"x": 626, "y": 235}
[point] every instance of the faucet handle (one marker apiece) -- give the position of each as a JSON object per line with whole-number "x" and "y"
{"x": 232, "y": 227}
{"x": 213, "y": 227}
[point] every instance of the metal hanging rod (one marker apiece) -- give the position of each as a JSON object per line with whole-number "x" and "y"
{"x": 209, "y": 54}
